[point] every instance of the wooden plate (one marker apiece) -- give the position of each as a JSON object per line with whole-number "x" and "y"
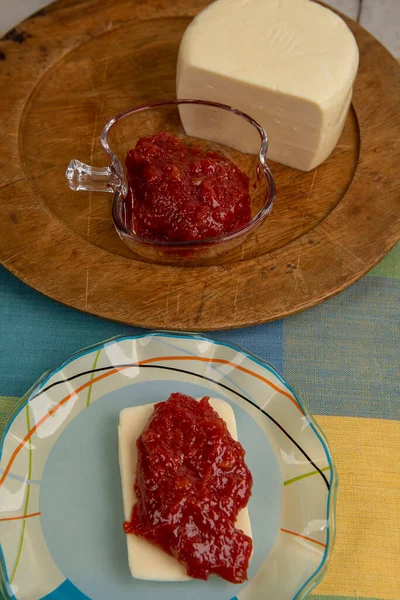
{"x": 71, "y": 67}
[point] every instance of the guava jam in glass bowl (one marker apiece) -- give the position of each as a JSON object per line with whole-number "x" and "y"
{"x": 212, "y": 195}
{"x": 178, "y": 193}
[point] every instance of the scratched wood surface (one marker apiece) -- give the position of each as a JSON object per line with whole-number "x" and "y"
{"x": 75, "y": 64}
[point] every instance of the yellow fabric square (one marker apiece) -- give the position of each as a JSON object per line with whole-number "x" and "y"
{"x": 366, "y": 560}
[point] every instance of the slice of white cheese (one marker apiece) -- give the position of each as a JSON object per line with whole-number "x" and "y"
{"x": 145, "y": 560}
{"x": 290, "y": 64}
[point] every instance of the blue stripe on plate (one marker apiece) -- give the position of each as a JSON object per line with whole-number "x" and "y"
{"x": 66, "y": 591}
{"x": 20, "y": 478}
{"x": 4, "y": 581}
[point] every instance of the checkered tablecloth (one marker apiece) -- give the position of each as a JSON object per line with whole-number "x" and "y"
{"x": 342, "y": 358}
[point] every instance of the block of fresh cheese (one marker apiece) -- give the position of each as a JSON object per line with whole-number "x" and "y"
{"x": 147, "y": 561}
{"x": 289, "y": 64}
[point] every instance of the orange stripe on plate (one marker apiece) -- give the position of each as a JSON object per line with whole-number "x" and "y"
{"x": 49, "y": 414}
{"x": 304, "y": 537}
{"x": 227, "y": 362}
{"x": 21, "y": 517}
{"x": 116, "y": 370}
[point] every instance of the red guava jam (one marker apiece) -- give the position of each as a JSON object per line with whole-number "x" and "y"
{"x": 180, "y": 194}
{"x": 191, "y": 483}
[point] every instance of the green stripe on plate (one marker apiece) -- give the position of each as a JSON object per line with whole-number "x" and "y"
{"x": 28, "y": 492}
{"x": 289, "y": 481}
{"x": 92, "y": 376}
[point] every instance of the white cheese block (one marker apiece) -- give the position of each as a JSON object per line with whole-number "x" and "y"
{"x": 290, "y": 64}
{"x": 145, "y": 560}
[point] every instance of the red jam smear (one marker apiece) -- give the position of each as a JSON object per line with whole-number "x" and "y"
{"x": 180, "y": 194}
{"x": 191, "y": 483}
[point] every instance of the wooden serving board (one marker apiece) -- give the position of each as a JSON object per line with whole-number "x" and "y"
{"x": 71, "y": 67}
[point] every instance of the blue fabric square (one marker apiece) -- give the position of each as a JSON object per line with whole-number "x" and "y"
{"x": 343, "y": 357}
{"x": 38, "y": 334}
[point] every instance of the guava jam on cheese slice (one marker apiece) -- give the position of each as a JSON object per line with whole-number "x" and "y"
{"x": 191, "y": 484}
{"x": 289, "y": 64}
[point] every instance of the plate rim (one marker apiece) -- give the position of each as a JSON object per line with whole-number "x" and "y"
{"x": 331, "y": 501}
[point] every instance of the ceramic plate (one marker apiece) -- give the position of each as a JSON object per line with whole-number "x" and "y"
{"x": 61, "y": 508}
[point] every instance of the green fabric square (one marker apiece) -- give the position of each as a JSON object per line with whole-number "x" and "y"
{"x": 389, "y": 266}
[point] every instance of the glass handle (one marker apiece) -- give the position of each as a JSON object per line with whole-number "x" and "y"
{"x": 84, "y": 177}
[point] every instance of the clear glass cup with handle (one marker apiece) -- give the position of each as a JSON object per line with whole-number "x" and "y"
{"x": 221, "y": 126}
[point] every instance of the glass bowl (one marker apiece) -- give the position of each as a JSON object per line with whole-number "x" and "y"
{"x": 220, "y": 124}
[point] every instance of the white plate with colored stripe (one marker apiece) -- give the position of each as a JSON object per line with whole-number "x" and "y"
{"x": 61, "y": 507}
